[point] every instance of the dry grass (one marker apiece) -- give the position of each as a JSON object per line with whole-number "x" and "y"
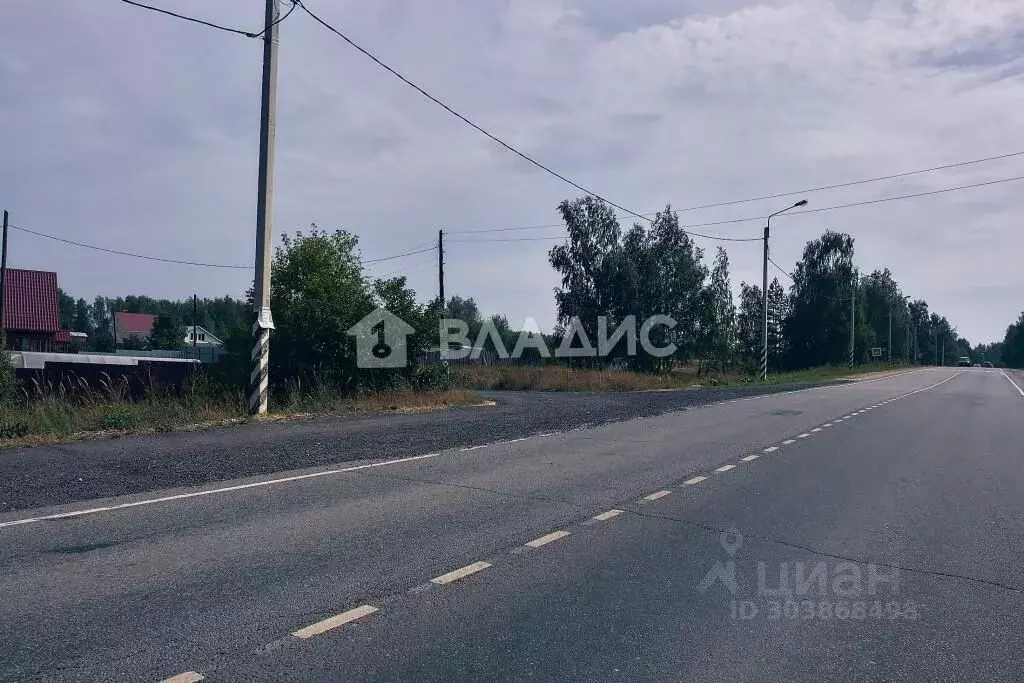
{"x": 557, "y": 378}
{"x": 54, "y": 418}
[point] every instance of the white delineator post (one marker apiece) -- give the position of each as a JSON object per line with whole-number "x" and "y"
{"x": 259, "y": 377}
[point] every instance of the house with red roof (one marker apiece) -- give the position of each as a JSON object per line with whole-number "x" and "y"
{"x": 31, "y": 311}
{"x": 132, "y": 325}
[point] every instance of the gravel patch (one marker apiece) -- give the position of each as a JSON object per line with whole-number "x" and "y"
{"x": 57, "y": 474}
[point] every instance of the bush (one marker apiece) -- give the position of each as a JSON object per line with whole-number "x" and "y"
{"x": 118, "y": 417}
{"x": 8, "y": 380}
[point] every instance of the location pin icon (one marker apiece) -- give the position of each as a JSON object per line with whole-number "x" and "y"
{"x": 731, "y": 540}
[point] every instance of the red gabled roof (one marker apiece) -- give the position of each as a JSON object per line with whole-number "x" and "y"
{"x": 30, "y": 301}
{"x": 134, "y": 324}
{"x": 62, "y": 336}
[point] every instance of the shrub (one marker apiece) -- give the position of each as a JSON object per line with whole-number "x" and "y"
{"x": 118, "y": 417}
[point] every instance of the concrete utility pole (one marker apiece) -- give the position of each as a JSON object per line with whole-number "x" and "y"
{"x": 195, "y": 337}
{"x": 440, "y": 268}
{"x": 853, "y": 314}
{"x": 764, "y": 291}
{"x": 908, "y": 342}
{"x": 890, "y": 330}
{"x": 3, "y": 281}
{"x": 258, "y": 378}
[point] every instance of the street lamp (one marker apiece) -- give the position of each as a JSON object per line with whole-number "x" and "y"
{"x": 764, "y": 292}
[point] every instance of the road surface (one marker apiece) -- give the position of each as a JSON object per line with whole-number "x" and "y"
{"x": 871, "y": 531}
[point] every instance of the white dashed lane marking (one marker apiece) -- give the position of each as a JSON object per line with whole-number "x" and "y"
{"x": 335, "y": 621}
{"x": 725, "y": 468}
{"x": 827, "y": 424}
{"x": 460, "y": 573}
{"x": 788, "y": 442}
{"x": 656, "y": 495}
{"x": 771, "y": 449}
{"x": 695, "y": 480}
{"x": 750, "y": 458}
{"x": 187, "y": 677}
{"x": 605, "y": 516}
{"x": 802, "y": 436}
{"x": 544, "y": 540}
{"x": 816, "y": 429}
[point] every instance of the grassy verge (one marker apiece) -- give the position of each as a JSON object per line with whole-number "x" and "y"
{"x": 555, "y": 378}
{"x": 55, "y": 418}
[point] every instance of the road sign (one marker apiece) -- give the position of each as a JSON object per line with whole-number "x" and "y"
{"x": 876, "y": 352}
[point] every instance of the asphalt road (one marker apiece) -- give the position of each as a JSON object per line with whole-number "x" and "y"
{"x": 64, "y": 473}
{"x": 877, "y": 535}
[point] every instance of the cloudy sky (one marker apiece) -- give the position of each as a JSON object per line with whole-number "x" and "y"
{"x": 127, "y": 129}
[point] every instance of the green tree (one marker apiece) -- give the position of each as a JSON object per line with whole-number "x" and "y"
{"x": 82, "y": 319}
{"x": 67, "y": 309}
{"x": 819, "y": 320}
{"x": 748, "y": 325}
{"x": 778, "y": 312}
{"x": 167, "y": 334}
{"x": 319, "y": 292}
{"x": 1013, "y": 344}
{"x": 723, "y": 311}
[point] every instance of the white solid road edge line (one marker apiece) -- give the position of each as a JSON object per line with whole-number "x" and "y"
{"x": 335, "y": 621}
{"x": 656, "y": 495}
{"x": 1010, "y": 380}
{"x": 210, "y": 492}
{"x": 187, "y": 677}
{"x": 544, "y": 540}
{"x": 605, "y": 516}
{"x": 460, "y": 573}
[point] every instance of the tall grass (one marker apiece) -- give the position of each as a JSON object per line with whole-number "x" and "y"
{"x": 560, "y": 378}
{"x": 47, "y": 411}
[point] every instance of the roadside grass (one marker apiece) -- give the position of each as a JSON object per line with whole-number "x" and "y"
{"x": 56, "y": 415}
{"x": 558, "y": 378}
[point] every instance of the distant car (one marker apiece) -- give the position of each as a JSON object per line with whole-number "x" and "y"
{"x": 987, "y": 364}
{"x": 964, "y": 362}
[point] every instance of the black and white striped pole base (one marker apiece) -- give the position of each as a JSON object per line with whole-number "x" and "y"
{"x": 259, "y": 380}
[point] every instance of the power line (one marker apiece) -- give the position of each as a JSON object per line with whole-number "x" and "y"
{"x": 420, "y": 265}
{"x": 787, "y": 194}
{"x": 854, "y": 182}
{"x": 761, "y": 218}
{"x": 127, "y": 253}
{"x": 180, "y": 261}
{"x": 462, "y": 117}
{"x": 559, "y": 237}
{"x": 781, "y": 269}
{"x": 408, "y": 253}
{"x": 238, "y": 31}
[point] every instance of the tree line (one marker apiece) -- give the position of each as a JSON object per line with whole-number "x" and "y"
{"x": 223, "y": 316}
{"x": 657, "y": 269}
